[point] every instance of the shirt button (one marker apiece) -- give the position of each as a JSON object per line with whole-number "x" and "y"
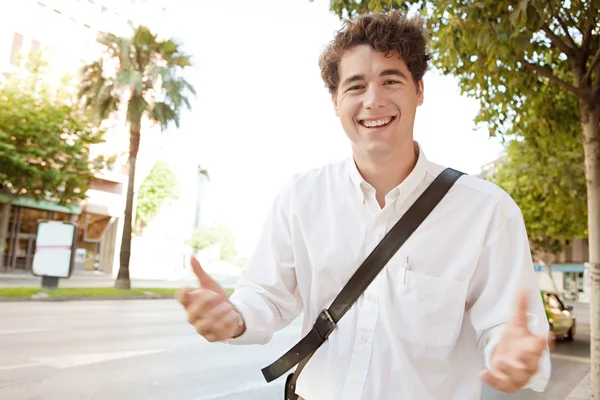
{"x": 364, "y": 339}
{"x": 355, "y": 381}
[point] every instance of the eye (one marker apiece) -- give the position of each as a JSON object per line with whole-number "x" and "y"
{"x": 390, "y": 82}
{"x": 356, "y": 87}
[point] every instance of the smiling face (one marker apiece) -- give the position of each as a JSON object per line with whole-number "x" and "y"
{"x": 376, "y": 101}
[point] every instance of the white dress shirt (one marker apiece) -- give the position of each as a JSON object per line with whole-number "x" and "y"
{"x": 426, "y": 326}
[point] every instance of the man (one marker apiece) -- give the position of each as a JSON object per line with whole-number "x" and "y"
{"x": 456, "y": 304}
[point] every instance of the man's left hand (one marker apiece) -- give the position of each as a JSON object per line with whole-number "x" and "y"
{"x": 517, "y": 355}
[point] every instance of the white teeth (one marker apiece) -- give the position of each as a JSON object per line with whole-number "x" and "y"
{"x": 378, "y": 122}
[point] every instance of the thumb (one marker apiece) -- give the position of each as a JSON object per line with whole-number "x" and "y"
{"x": 206, "y": 282}
{"x": 520, "y": 317}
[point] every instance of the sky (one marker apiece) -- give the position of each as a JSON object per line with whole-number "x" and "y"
{"x": 262, "y": 113}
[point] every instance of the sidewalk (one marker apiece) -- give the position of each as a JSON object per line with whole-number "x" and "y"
{"x": 582, "y": 391}
{"x": 81, "y": 278}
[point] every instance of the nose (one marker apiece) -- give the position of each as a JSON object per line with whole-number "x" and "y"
{"x": 373, "y": 97}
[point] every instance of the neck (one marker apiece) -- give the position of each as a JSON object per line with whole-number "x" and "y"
{"x": 386, "y": 172}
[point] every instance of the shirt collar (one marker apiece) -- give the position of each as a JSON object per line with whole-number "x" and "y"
{"x": 407, "y": 186}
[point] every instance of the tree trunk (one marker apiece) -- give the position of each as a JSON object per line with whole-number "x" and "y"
{"x": 549, "y": 262}
{"x": 590, "y": 121}
{"x": 123, "y": 281}
{"x": 4, "y": 220}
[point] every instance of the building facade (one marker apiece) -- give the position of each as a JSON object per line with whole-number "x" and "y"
{"x": 65, "y": 33}
{"x": 569, "y": 271}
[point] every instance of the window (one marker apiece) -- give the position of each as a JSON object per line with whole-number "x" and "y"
{"x": 16, "y": 48}
{"x": 574, "y": 281}
{"x": 555, "y": 303}
{"x": 30, "y": 218}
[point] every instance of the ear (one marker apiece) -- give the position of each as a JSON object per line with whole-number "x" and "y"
{"x": 335, "y": 107}
{"x": 420, "y": 92}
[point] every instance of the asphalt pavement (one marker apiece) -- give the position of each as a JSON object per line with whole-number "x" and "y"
{"x": 133, "y": 349}
{"x": 144, "y": 349}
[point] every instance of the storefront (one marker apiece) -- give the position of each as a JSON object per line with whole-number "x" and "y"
{"x": 570, "y": 280}
{"x": 98, "y": 220}
{"x": 22, "y": 227}
{"x": 24, "y": 215}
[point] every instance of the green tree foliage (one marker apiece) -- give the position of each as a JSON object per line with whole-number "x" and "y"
{"x": 206, "y": 237}
{"x": 44, "y": 140}
{"x": 44, "y": 143}
{"x": 159, "y": 186}
{"x": 147, "y": 74}
{"x": 548, "y": 184}
{"x": 353, "y": 8}
{"x": 544, "y": 170}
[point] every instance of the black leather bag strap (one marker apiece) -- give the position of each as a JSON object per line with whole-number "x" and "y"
{"x": 364, "y": 275}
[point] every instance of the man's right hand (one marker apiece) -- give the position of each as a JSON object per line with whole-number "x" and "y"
{"x": 209, "y": 310}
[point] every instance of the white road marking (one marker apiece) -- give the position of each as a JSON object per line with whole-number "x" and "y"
{"x": 77, "y": 360}
{"x": 570, "y": 358}
{"x": 19, "y": 366}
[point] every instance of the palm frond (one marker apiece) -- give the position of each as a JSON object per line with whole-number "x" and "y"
{"x": 163, "y": 114}
{"x": 149, "y": 70}
{"x": 145, "y": 47}
{"x": 97, "y": 94}
{"x": 131, "y": 78}
{"x": 118, "y": 48}
{"x": 176, "y": 89}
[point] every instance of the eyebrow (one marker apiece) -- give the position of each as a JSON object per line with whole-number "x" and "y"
{"x": 394, "y": 72}
{"x": 385, "y": 72}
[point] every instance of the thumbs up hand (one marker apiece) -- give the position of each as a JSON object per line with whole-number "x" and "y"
{"x": 515, "y": 359}
{"x": 209, "y": 310}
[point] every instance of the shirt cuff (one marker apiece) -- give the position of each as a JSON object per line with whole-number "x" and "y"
{"x": 253, "y": 310}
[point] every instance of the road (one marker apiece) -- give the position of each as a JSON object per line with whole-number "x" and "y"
{"x": 144, "y": 349}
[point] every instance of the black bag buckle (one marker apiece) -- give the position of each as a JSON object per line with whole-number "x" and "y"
{"x": 325, "y": 324}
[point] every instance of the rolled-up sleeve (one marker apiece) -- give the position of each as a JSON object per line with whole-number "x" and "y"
{"x": 504, "y": 268}
{"x": 266, "y": 294}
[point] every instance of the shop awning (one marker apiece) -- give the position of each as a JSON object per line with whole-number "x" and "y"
{"x": 41, "y": 204}
{"x": 562, "y": 267}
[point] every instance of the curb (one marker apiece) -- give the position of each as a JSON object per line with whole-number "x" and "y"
{"x": 78, "y": 298}
{"x": 582, "y": 391}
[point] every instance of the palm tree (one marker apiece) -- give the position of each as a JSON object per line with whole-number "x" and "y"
{"x": 146, "y": 74}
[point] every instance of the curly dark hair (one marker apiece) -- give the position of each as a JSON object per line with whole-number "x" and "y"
{"x": 384, "y": 32}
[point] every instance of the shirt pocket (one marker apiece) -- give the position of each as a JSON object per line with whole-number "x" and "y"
{"x": 431, "y": 309}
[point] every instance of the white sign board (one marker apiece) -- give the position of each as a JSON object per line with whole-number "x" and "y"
{"x": 54, "y": 249}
